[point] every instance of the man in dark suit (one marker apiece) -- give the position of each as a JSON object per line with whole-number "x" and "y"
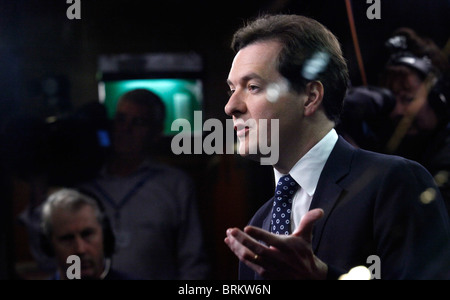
{"x": 351, "y": 205}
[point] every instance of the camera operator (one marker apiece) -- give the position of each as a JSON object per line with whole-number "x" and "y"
{"x": 409, "y": 113}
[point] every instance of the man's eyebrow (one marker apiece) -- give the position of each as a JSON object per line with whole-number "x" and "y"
{"x": 246, "y": 78}
{"x": 65, "y": 236}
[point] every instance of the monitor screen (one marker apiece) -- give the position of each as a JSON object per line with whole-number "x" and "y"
{"x": 181, "y": 96}
{"x": 175, "y": 77}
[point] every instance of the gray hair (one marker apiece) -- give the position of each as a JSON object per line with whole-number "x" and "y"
{"x": 70, "y": 200}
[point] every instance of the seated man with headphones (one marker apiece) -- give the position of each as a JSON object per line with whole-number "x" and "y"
{"x": 409, "y": 113}
{"x": 73, "y": 223}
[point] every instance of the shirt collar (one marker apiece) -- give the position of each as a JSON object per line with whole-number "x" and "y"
{"x": 312, "y": 163}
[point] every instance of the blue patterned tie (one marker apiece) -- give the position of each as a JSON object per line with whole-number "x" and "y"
{"x": 282, "y": 203}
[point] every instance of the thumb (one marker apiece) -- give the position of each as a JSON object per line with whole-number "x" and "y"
{"x": 305, "y": 228}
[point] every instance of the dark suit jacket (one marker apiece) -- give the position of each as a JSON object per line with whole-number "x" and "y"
{"x": 372, "y": 204}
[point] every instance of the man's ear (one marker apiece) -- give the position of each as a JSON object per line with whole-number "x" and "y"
{"x": 314, "y": 93}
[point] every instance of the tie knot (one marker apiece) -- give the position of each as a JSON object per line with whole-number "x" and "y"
{"x": 286, "y": 187}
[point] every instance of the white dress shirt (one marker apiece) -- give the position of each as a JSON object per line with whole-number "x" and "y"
{"x": 306, "y": 173}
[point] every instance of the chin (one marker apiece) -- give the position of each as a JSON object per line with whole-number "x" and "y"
{"x": 245, "y": 153}
{"x": 247, "y": 149}
{"x": 89, "y": 275}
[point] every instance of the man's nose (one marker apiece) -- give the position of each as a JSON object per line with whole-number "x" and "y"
{"x": 124, "y": 124}
{"x": 399, "y": 109}
{"x": 79, "y": 245}
{"x": 235, "y": 105}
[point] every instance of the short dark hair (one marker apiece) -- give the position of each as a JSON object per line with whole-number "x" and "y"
{"x": 302, "y": 38}
{"x": 152, "y": 102}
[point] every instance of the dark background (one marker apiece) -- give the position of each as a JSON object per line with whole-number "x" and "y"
{"x": 37, "y": 41}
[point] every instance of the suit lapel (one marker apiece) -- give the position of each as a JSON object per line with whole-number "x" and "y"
{"x": 328, "y": 191}
{"x": 268, "y": 218}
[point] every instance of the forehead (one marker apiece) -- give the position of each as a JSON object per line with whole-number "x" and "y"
{"x": 258, "y": 58}
{"x": 67, "y": 221}
{"x": 404, "y": 80}
{"x": 132, "y": 108}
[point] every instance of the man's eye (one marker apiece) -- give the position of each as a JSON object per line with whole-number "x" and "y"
{"x": 66, "y": 239}
{"x": 140, "y": 122}
{"x": 406, "y": 100}
{"x": 120, "y": 118}
{"x": 253, "y": 88}
{"x": 88, "y": 234}
{"x": 230, "y": 93}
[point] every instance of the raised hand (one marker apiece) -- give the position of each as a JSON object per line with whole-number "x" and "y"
{"x": 275, "y": 256}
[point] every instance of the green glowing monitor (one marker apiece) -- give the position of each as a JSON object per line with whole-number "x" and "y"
{"x": 182, "y": 96}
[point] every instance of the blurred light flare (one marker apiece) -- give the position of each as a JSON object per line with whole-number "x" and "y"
{"x": 315, "y": 65}
{"x": 428, "y": 196}
{"x": 441, "y": 178}
{"x": 311, "y": 70}
{"x": 357, "y": 273}
{"x": 275, "y": 90}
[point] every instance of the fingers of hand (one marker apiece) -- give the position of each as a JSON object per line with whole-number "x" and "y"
{"x": 275, "y": 240}
{"x": 244, "y": 246}
{"x": 305, "y": 228}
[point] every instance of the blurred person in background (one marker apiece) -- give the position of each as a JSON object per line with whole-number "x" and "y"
{"x": 408, "y": 114}
{"x": 74, "y": 224}
{"x": 152, "y": 206}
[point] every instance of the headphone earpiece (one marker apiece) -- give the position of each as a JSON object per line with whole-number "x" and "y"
{"x": 439, "y": 98}
{"x": 109, "y": 239}
{"x": 422, "y": 65}
{"x": 46, "y": 245}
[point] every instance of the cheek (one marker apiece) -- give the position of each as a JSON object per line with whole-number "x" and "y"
{"x": 136, "y": 136}
{"x": 96, "y": 242}
{"x": 425, "y": 118}
{"x": 62, "y": 253}
{"x": 265, "y": 110}
{"x": 99, "y": 243}
{"x": 290, "y": 112}
{"x": 286, "y": 109}
{"x": 140, "y": 133}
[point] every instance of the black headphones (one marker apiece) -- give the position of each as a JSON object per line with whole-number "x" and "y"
{"x": 401, "y": 55}
{"x": 109, "y": 240}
